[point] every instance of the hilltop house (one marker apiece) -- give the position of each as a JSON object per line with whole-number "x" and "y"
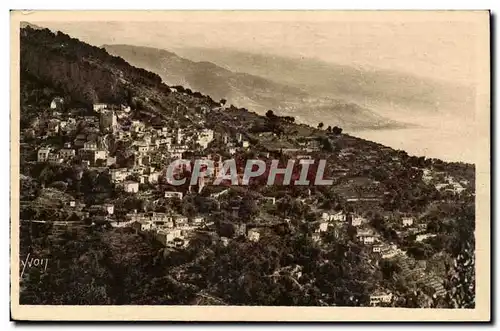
{"x": 55, "y": 158}
{"x": 67, "y": 153}
{"x": 424, "y": 236}
{"x": 180, "y": 220}
{"x": 43, "y": 154}
{"x": 366, "y": 236}
{"x": 198, "y": 220}
{"x": 205, "y": 137}
{"x": 380, "y": 297}
{"x": 92, "y": 155}
{"x": 253, "y": 235}
{"x": 119, "y": 175}
{"x": 388, "y": 252}
{"x": 337, "y": 217}
{"x": 152, "y": 220}
{"x": 131, "y": 186}
{"x": 323, "y": 227}
{"x": 167, "y": 237}
{"x": 106, "y": 208}
{"x": 270, "y": 200}
{"x": 173, "y": 194}
{"x": 407, "y": 221}
{"x": 57, "y": 103}
{"x": 142, "y": 147}
{"x": 357, "y": 220}
{"x": 90, "y": 145}
{"x": 99, "y": 106}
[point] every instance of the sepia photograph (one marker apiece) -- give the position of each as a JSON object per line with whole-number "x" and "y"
{"x": 250, "y": 165}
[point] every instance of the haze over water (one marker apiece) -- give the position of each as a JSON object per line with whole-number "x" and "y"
{"x": 453, "y": 146}
{"x": 446, "y": 135}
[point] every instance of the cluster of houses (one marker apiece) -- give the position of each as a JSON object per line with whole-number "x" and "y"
{"x": 168, "y": 229}
{"x": 367, "y": 236}
{"x": 141, "y": 174}
{"x": 110, "y": 124}
{"x": 114, "y": 120}
{"x": 443, "y": 182}
{"x": 370, "y": 238}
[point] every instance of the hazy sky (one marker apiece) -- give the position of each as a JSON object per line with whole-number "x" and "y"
{"x": 438, "y": 48}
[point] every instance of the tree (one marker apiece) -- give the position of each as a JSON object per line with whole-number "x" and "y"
{"x": 60, "y": 185}
{"x": 29, "y": 188}
{"x": 326, "y": 145}
{"x": 284, "y": 205}
{"x": 320, "y": 125}
{"x": 248, "y": 209}
{"x": 188, "y": 208}
{"x": 336, "y": 130}
{"x": 46, "y": 176}
{"x": 270, "y": 115}
{"x": 463, "y": 280}
{"x": 389, "y": 268}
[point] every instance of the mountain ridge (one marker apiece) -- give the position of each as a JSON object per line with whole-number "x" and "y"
{"x": 349, "y": 82}
{"x": 250, "y": 91}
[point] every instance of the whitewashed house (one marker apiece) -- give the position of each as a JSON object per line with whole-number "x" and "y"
{"x": 99, "y": 106}
{"x": 131, "y": 186}
{"x": 43, "y": 154}
{"x": 407, "y": 221}
{"x": 173, "y": 194}
{"x": 253, "y": 235}
{"x": 379, "y": 297}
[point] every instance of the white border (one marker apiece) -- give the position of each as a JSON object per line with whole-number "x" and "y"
{"x": 146, "y": 4}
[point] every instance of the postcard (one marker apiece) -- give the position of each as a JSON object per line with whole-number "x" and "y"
{"x": 250, "y": 166}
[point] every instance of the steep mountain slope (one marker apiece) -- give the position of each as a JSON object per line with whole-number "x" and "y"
{"x": 340, "y": 81}
{"x": 250, "y": 91}
{"x": 86, "y": 74}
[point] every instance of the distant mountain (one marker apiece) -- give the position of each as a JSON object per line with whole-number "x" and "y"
{"x": 31, "y": 25}
{"x": 339, "y": 81}
{"x": 250, "y": 91}
{"x": 204, "y": 76}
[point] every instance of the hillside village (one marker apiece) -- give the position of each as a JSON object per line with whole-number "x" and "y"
{"x": 98, "y": 169}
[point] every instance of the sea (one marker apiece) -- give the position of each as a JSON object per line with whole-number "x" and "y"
{"x": 449, "y": 138}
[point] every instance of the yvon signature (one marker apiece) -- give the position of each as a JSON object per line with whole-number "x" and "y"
{"x": 33, "y": 262}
